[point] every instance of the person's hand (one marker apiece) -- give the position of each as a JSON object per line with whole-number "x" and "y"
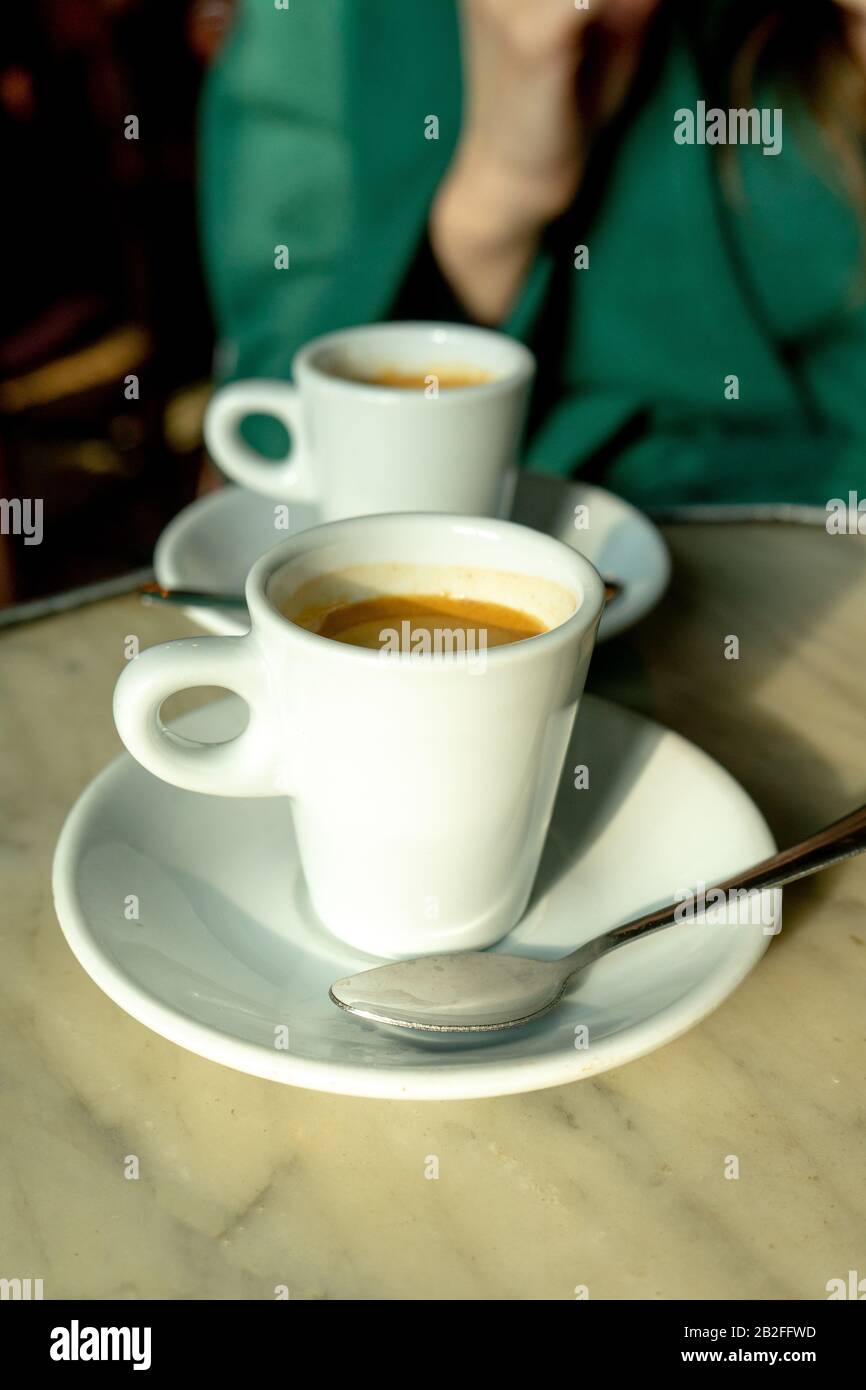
{"x": 529, "y": 110}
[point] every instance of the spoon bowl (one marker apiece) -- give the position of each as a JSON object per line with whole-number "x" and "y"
{"x": 463, "y": 992}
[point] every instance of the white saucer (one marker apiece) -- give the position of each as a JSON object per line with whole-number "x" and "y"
{"x": 212, "y": 544}
{"x": 226, "y": 951}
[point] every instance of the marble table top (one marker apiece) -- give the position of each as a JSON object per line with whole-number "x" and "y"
{"x": 617, "y": 1185}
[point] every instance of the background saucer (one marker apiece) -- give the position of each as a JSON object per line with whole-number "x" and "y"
{"x": 213, "y": 543}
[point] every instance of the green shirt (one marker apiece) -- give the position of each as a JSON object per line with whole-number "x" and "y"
{"x": 316, "y": 137}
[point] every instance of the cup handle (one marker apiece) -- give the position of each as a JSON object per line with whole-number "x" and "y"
{"x": 247, "y": 765}
{"x": 289, "y": 477}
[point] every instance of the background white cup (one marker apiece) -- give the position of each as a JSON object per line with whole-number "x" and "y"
{"x": 422, "y": 786}
{"x": 357, "y": 448}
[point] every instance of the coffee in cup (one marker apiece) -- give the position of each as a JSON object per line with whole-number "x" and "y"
{"x": 409, "y": 621}
{"x": 430, "y": 379}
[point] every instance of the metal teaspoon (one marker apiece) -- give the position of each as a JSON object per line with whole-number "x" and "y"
{"x": 198, "y": 598}
{"x": 483, "y": 991}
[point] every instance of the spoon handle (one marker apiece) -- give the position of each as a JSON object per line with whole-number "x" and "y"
{"x": 189, "y": 598}
{"x": 198, "y": 598}
{"x": 840, "y": 840}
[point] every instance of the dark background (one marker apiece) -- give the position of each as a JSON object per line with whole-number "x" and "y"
{"x": 102, "y": 279}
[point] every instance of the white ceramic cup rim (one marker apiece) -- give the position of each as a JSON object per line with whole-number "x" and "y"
{"x": 583, "y": 580}
{"x": 486, "y": 342}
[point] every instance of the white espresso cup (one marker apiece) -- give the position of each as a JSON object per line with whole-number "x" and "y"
{"x": 422, "y": 784}
{"x": 357, "y": 448}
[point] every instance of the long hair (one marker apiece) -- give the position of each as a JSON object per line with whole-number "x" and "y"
{"x": 804, "y": 46}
